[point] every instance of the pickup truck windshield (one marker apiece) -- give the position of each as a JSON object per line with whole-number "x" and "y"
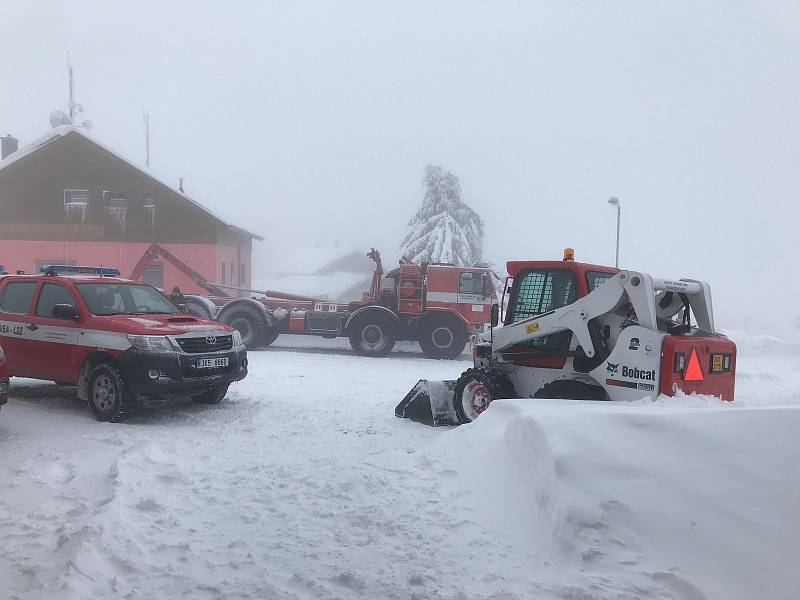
{"x": 124, "y": 299}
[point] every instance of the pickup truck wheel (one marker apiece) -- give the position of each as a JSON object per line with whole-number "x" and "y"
{"x": 476, "y": 389}
{"x": 109, "y": 397}
{"x": 372, "y": 335}
{"x": 213, "y": 395}
{"x": 249, "y": 322}
{"x": 442, "y": 337}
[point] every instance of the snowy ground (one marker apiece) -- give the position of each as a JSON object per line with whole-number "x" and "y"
{"x": 304, "y": 485}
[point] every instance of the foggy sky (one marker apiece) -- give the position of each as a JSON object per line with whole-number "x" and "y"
{"x": 309, "y": 122}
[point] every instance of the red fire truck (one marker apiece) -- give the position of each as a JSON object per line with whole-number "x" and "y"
{"x": 437, "y": 305}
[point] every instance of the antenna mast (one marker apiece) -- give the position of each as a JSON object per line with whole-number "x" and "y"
{"x": 147, "y": 138}
{"x": 72, "y": 104}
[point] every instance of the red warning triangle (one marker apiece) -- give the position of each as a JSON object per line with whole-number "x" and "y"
{"x": 693, "y": 370}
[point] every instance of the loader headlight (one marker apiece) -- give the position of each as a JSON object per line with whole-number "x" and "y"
{"x": 237, "y": 338}
{"x": 151, "y": 343}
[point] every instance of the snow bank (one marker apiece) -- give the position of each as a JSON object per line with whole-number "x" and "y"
{"x": 629, "y": 501}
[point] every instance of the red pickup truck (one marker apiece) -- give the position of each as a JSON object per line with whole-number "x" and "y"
{"x": 116, "y": 340}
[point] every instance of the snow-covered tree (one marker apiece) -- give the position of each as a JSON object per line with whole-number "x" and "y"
{"x": 444, "y": 229}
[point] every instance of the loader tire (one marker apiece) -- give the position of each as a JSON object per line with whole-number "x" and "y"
{"x": 250, "y": 323}
{"x": 476, "y": 389}
{"x": 442, "y": 336}
{"x": 565, "y": 389}
{"x": 372, "y": 334}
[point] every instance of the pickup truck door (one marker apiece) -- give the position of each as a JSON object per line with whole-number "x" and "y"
{"x": 53, "y": 343}
{"x": 15, "y": 302}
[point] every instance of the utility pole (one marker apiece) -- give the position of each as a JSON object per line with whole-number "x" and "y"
{"x": 615, "y": 202}
{"x": 72, "y": 104}
{"x": 147, "y": 138}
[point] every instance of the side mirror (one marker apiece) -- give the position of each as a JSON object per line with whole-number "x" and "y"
{"x": 66, "y": 312}
{"x": 495, "y": 314}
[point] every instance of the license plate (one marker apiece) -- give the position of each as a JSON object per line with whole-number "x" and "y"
{"x": 212, "y": 363}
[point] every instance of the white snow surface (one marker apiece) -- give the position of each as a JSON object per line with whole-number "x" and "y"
{"x": 303, "y": 484}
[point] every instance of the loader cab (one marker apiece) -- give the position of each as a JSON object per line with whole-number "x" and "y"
{"x": 539, "y": 287}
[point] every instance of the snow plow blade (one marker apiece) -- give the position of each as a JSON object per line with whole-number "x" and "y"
{"x": 429, "y": 402}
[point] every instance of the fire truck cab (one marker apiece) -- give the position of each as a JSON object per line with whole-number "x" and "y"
{"x": 115, "y": 339}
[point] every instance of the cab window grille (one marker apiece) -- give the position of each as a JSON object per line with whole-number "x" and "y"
{"x": 540, "y": 292}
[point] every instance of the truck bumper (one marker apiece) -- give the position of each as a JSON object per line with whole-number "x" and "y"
{"x": 149, "y": 373}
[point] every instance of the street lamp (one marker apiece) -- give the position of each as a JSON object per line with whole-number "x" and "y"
{"x": 614, "y": 202}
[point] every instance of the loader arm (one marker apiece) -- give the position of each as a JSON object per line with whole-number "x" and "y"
{"x": 640, "y": 289}
{"x": 155, "y": 252}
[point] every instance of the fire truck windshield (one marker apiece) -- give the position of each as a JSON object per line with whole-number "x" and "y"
{"x": 124, "y": 299}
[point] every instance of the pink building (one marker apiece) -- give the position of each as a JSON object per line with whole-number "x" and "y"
{"x": 67, "y": 199}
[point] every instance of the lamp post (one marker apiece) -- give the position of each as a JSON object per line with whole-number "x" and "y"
{"x": 614, "y": 202}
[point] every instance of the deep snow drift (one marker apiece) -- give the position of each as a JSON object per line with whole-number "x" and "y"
{"x": 304, "y": 485}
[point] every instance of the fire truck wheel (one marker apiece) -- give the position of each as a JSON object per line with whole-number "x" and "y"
{"x": 476, "y": 389}
{"x": 213, "y": 395}
{"x": 109, "y": 397}
{"x": 442, "y": 337}
{"x": 268, "y": 337}
{"x": 372, "y": 334}
{"x": 197, "y": 309}
{"x": 248, "y": 321}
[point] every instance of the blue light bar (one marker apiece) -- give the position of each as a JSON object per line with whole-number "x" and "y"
{"x": 79, "y": 270}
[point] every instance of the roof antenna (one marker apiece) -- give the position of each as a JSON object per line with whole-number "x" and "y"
{"x": 147, "y": 139}
{"x": 59, "y": 117}
{"x": 180, "y": 185}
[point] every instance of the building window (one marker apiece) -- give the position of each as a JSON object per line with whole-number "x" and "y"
{"x": 223, "y": 274}
{"x": 75, "y": 204}
{"x": 116, "y": 211}
{"x": 154, "y": 274}
{"x": 233, "y": 273}
{"x": 242, "y": 281}
{"x": 149, "y": 207}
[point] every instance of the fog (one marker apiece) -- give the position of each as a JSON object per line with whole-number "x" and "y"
{"x": 311, "y": 122}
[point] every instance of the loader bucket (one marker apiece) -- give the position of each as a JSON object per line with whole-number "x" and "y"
{"x": 429, "y": 402}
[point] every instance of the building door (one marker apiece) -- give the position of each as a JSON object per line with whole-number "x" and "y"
{"x": 154, "y": 274}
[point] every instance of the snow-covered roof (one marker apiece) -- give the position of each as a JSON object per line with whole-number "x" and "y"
{"x": 64, "y": 130}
